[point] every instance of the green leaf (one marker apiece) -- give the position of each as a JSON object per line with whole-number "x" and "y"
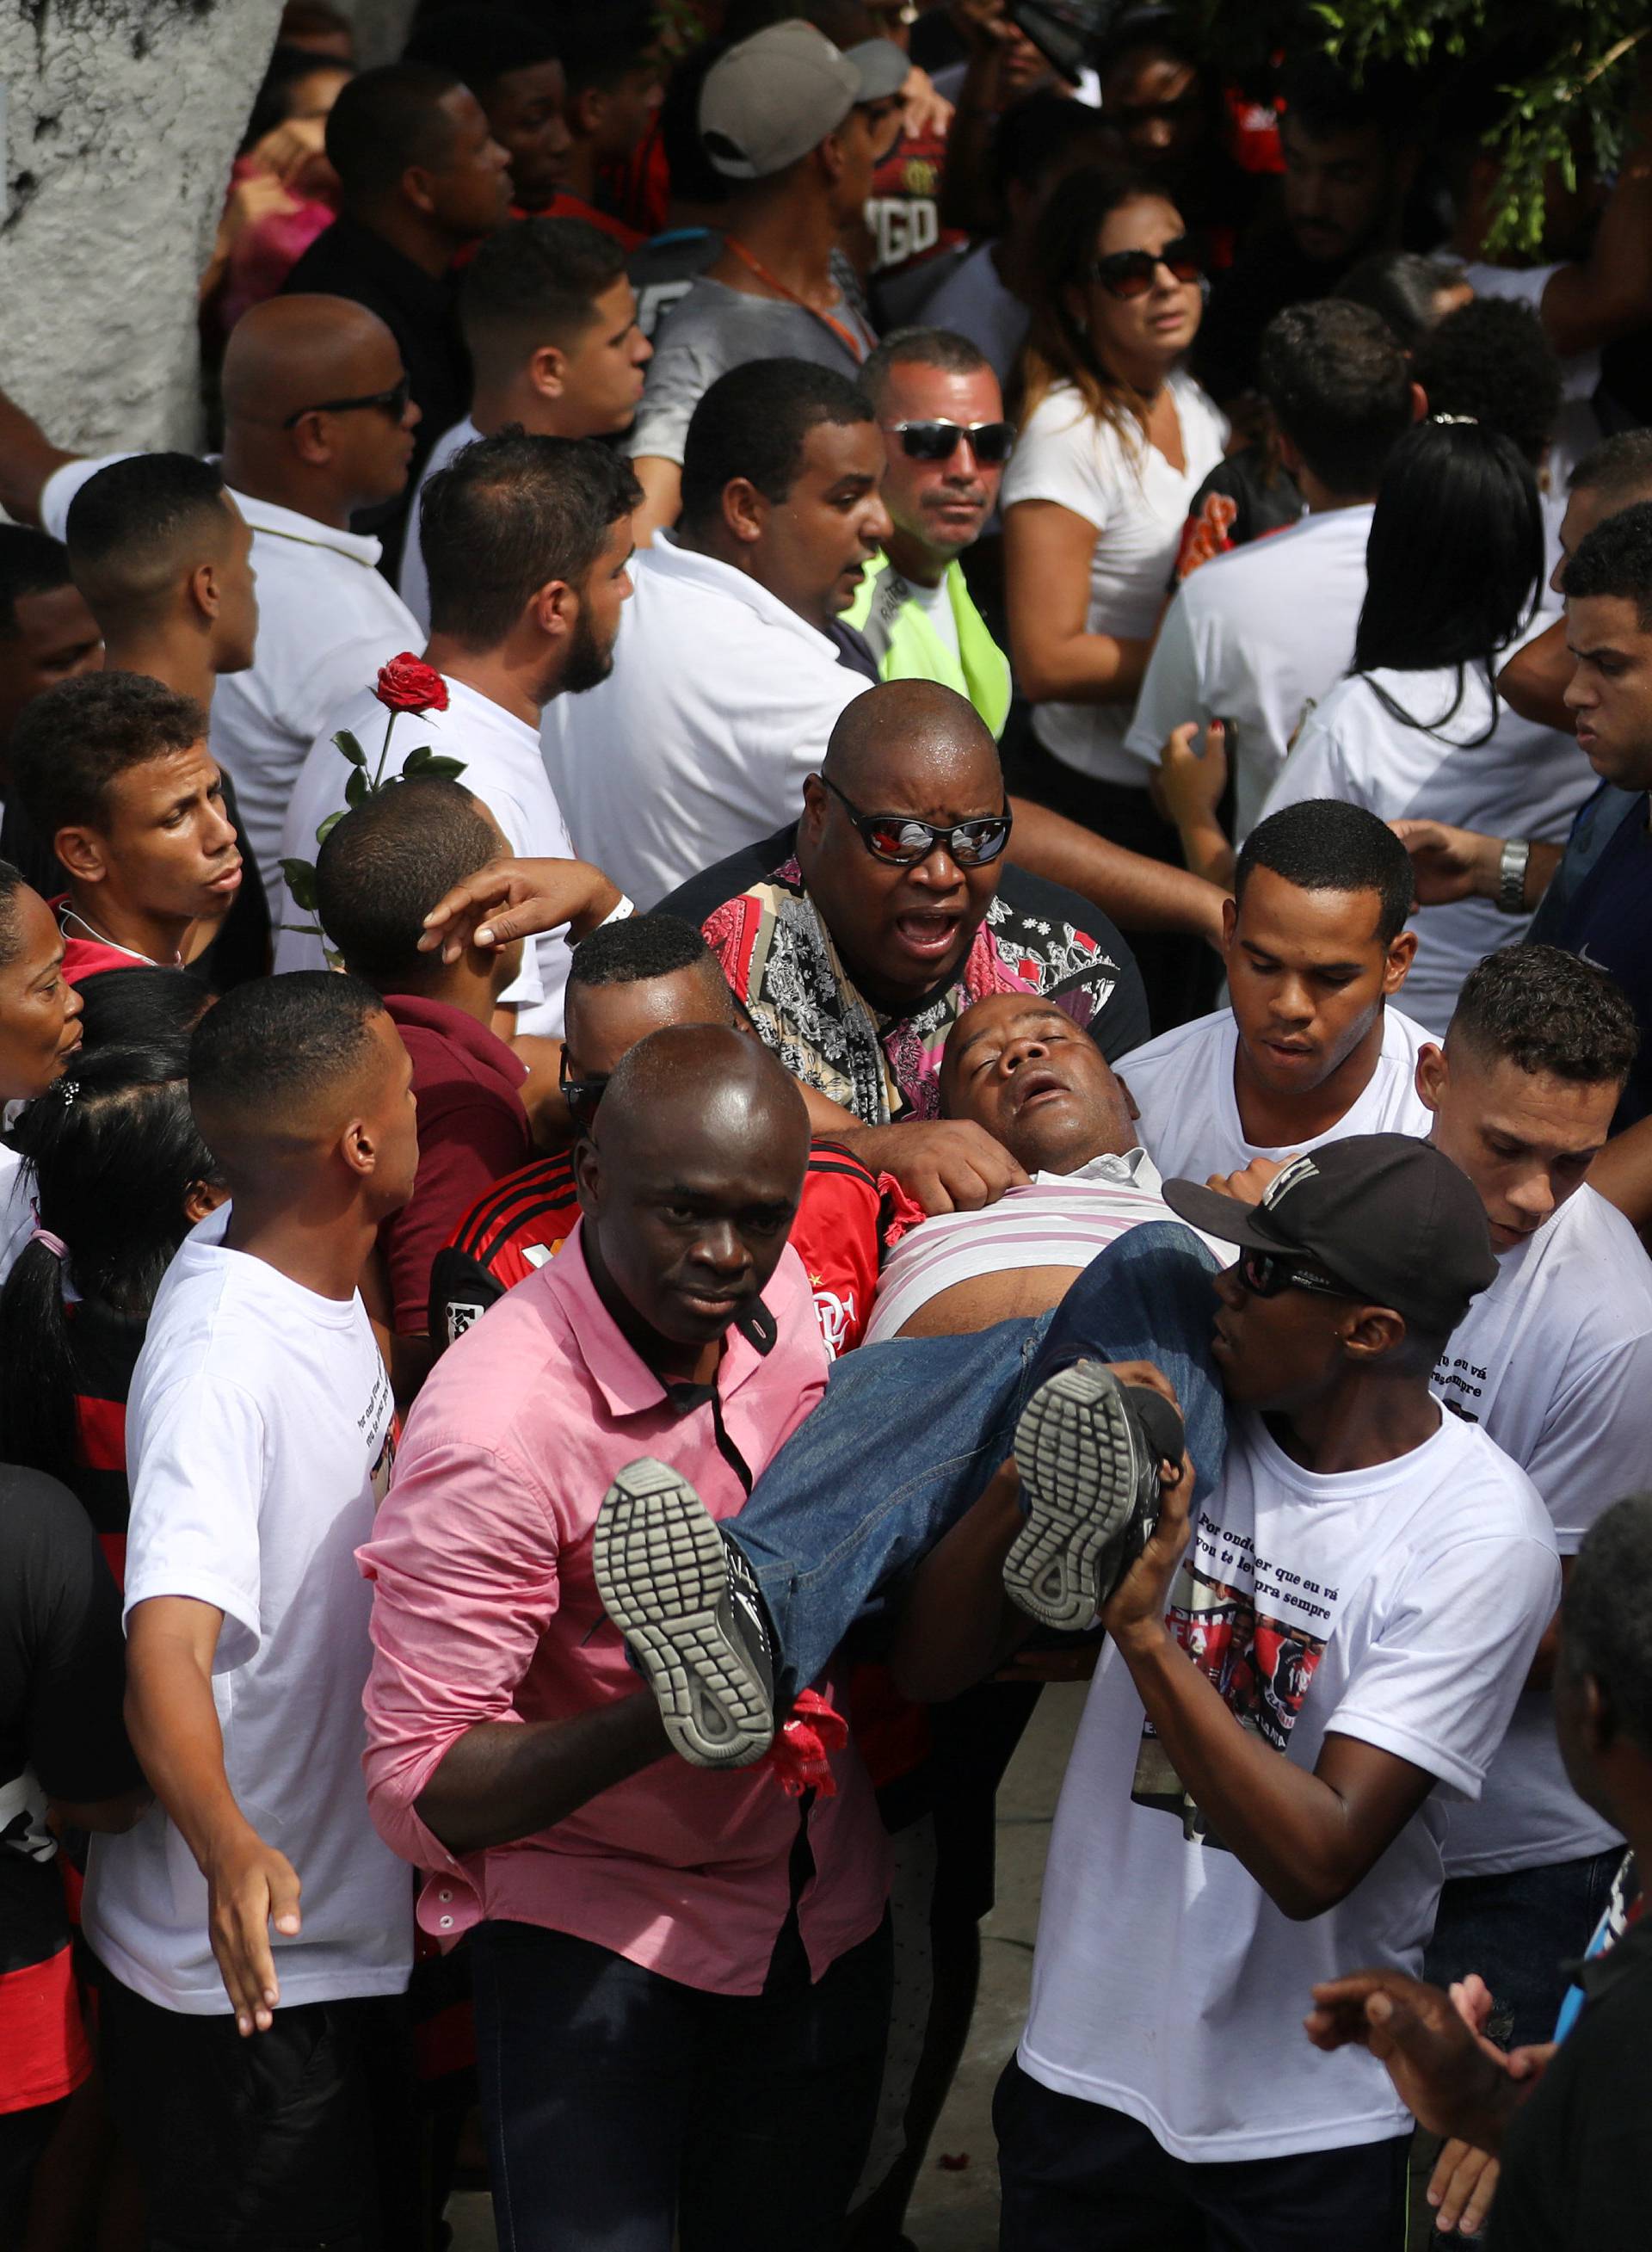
{"x": 441, "y": 769}
{"x": 328, "y": 825}
{"x": 345, "y": 742}
{"x": 357, "y": 789}
{"x": 417, "y": 762}
{"x": 300, "y": 882}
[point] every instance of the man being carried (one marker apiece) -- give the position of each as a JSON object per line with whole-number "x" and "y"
{"x": 1367, "y": 1582}
{"x": 1310, "y": 1048}
{"x": 946, "y": 440}
{"x": 638, "y": 1932}
{"x": 114, "y": 773}
{"x": 251, "y": 2038}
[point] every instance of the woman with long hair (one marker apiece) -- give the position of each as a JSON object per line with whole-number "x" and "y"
{"x": 1418, "y": 730}
{"x": 120, "y": 1175}
{"x": 1116, "y": 439}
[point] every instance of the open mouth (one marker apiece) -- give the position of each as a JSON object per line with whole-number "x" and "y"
{"x": 1032, "y": 1087}
{"x": 927, "y": 937}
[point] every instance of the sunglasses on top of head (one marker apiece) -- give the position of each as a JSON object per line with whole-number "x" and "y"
{"x": 581, "y": 1095}
{"x": 1130, "y": 273}
{"x": 903, "y": 840}
{"x": 991, "y": 443}
{"x": 1265, "y": 1274}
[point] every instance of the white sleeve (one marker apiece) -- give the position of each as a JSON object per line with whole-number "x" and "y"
{"x": 62, "y": 485}
{"x": 197, "y": 1488}
{"x": 1596, "y": 1443}
{"x": 1439, "y": 1685}
{"x": 1172, "y": 693}
{"x": 1316, "y": 767}
{"x": 1061, "y": 457}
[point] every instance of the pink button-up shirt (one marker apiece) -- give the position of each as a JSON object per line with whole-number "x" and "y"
{"x": 485, "y": 1609}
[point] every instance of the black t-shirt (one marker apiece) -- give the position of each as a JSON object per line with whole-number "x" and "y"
{"x": 1574, "y": 2159}
{"x": 62, "y": 1675}
{"x": 1607, "y": 919}
{"x": 1268, "y": 275}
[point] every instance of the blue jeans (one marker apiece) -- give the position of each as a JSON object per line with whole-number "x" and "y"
{"x": 910, "y": 1432}
{"x": 1517, "y": 1930}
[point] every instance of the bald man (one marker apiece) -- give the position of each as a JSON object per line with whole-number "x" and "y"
{"x": 640, "y": 1931}
{"x": 318, "y": 424}
{"x": 858, "y": 935}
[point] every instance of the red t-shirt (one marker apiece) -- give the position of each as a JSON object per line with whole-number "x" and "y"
{"x": 564, "y": 204}
{"x": 473, "y": 1129}
{"x": 847, "y": 1218}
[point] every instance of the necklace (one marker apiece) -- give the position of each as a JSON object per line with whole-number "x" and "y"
{"x": 855, "y": 345}
{"x": 73, "y": 915}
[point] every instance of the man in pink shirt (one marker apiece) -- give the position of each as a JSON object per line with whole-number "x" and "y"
{"x": 643, "y": 1930}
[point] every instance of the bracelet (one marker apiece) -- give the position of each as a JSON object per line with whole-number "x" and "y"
{"x": 1511, "y": 876}
{"x": 623, "y": 908}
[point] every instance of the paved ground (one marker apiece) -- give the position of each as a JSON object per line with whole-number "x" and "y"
{"x": 956, "y": 2207}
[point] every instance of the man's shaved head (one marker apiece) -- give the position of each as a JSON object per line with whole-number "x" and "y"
{"x": 688, "y": 1186}
{"x": 917, "y": 729}
{"x": 293, "y": 353}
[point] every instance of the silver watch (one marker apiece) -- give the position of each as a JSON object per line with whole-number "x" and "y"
{"x": 1511, "y": 876}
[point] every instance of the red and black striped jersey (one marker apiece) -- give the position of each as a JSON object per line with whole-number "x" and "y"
{"x": 847, "y": 1218}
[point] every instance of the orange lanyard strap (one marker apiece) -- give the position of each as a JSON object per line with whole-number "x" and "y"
{"x": 855, "y": 345}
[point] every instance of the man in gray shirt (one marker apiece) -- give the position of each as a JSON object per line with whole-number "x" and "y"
{"x": 798, "y": 127}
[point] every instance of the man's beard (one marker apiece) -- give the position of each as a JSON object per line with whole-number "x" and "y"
{"x": 589, "y": 663}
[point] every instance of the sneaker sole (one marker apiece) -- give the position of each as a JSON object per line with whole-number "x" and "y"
{"x": 657, "y": 1558}
{"x": 1076, "y": 1451}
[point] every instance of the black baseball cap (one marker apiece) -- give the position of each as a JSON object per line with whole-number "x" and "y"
{"x": 1390, "y": 1216}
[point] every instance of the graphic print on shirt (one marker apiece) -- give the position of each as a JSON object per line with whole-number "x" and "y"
{"x": 1256, "y": 1630}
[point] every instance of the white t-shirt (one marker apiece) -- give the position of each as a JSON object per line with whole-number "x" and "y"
{"x": 1554, "y": 1361}
{"x": 16, "y": 1208}
{"x": 721, "y": 699}
{"x": 326, "y": 622}
{"x": 1255, "y": 638}
{"x": 972, "y": 302}
{"x": 1182, "y": 1086}
{"x": 260, "y": 1437}
{"x": 1526, "y": 781}
{"x": 1400, "y": 1606}
{"x": 411, "y": 577}
{"x": 502, "y": 767}
{"x": 1138, "y": 504}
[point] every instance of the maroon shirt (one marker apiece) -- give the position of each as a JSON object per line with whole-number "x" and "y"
{"x": 473, "y": 1129}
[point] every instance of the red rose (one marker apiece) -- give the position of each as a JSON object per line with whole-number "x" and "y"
{"x": 407, "y": 684}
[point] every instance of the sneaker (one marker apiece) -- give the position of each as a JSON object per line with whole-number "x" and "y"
{"x": 687, "y": 1602}
{"x": 1088, "y": 1449}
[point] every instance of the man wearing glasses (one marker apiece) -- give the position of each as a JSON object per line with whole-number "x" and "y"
{"x": 856, "y": 937}
{"x": 941, "y": 413}
{"x": 1320, "y": 1555}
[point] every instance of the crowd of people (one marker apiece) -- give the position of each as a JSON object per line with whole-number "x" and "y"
{"x": 855, "y": 913}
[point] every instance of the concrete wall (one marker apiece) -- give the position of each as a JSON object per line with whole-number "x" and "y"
{"x": 122, "y": 118}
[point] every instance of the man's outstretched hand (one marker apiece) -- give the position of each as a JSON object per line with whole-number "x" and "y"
{"x": 512, "y": 899}
{"x": 1445, "y": 2074}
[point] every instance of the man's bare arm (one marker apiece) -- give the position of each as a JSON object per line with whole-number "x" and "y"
{"x": 503, "y": 1780}
{"x": 1137, "y": 892}
{"x": 27, "y": 459}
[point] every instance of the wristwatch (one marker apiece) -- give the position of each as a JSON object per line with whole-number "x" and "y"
{"x": 1511, "y": 876}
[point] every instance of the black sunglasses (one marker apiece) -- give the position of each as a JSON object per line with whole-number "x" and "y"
{"x": 581, "y": 1095}
{"x": 1265, "y": 1274}
{"x": 393, "y": 401}
{"x": 1130, "y": 273}
{"x": 904, "y": 840}
{"x": 991, "y": 443}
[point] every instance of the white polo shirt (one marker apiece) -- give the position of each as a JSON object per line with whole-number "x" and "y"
{"x": 412, "y": 579}
{"x": 1182, "y": 1084}
{"x": 721, "y": 699}
{"x": 502, "y": 767}
{"x": 1256, "y": 638}
{"x": 326, "y": 622}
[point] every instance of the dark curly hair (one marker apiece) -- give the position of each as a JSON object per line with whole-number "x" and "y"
{"x": 1491, "y": 359}
{"x": 1615, "y": 559}
{"x": 1547, "y": 1010}
{"x": 1606, "y": 1616}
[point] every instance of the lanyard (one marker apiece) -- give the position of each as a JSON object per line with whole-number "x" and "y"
{"x": 855, "y": 345}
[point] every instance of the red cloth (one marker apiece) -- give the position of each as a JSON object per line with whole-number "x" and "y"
{"x": 473, "y": 1129}
{"x": 84, "y": 957}
{"x": 43, "y": 2054}
{"x": 564, "y": 204}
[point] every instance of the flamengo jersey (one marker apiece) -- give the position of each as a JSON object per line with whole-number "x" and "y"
{"x": 847, "y": 1219}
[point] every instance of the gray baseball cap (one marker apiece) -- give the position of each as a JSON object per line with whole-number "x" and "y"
{"x": 776, "y": 95}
